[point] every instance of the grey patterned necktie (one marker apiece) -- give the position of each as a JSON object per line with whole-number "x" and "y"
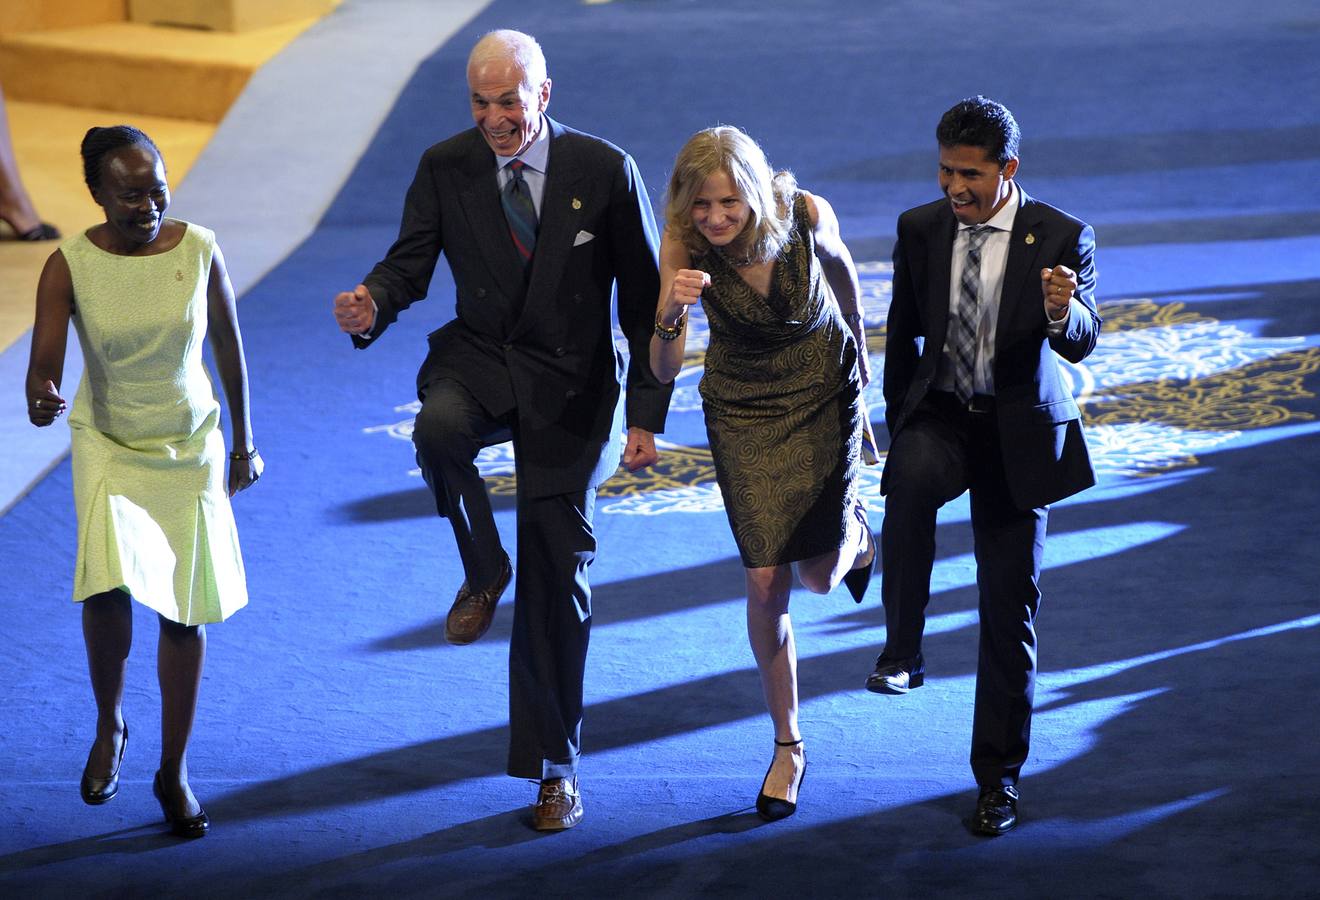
{"x": 520, "y": 211}
{"x": 964, "y": 325}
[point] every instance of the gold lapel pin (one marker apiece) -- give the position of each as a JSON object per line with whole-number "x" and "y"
{"x": 577, "y": 204}
{"x": 1031, "y": 239}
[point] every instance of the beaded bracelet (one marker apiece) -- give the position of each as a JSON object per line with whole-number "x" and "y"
{"x": 244, "y": 457}
{"x": 669, "y": 333}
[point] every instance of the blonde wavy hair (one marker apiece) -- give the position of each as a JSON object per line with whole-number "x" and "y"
{"x": 768, "y": 195}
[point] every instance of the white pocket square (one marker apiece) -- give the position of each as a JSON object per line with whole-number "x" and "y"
{"x": 582, "y": 238}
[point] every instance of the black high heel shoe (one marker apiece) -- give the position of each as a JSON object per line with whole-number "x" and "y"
{"x": 772, "y": 809}
{"x": 96, "y": 791}
{"x": 858, "y": 580}
{"x": 189, "y": 827}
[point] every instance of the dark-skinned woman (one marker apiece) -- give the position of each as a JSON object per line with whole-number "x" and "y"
{"x": 149, "y": 463}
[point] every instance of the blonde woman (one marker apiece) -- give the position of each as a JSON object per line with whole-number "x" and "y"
{"x": 781, "y": 394}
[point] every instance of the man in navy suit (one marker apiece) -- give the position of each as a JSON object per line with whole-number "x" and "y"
{"x": 989, "y": 285}
{"x": 539, "y": 224}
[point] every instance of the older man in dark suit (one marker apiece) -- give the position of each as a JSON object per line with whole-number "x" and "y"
{"x": 539, "y": 223}
{"x": 989, "y": 285}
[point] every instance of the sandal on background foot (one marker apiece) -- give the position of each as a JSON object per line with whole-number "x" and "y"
{"x": 42, "y": 232}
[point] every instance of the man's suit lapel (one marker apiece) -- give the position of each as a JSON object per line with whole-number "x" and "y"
{"x": 561, "y": 213}
{"x": 480, "y": 198}
{"x": 1023, "y": 249}
{"x": 940, "y": 265}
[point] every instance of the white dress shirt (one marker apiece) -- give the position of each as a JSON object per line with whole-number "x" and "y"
{"x": 534, "y": 158}
{"x": 994, "y": 257}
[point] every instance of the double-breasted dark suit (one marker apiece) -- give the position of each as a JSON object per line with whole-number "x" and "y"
{"x": 1018, "y": 452}
{"x": 531, "y": 356}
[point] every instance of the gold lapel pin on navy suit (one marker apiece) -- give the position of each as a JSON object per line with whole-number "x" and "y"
{"x": 1030, "y": 239}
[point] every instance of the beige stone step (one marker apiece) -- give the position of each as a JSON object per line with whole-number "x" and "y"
{"x": 36, "y": 15}
{"x": 180, "y": 73}
{"x": 226, "y": 15}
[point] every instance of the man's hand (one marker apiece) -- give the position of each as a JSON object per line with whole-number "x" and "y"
{"x": 1057, "y": 285}
{"x": 355, "y": 310}
{"x": 640, "y": 450}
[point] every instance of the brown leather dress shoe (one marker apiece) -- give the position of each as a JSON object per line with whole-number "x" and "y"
{"x": 473, "y": 611}
{"x": 558, "y": 805}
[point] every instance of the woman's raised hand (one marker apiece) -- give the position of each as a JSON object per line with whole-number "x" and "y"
{"x": 685, "y": 291}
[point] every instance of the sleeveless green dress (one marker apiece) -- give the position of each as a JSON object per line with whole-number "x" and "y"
{"x": 782, "y": 400}
{"x": 148, "y": 458}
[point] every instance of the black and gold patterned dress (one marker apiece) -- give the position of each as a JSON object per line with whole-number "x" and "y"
{"x": 781, "y": 395}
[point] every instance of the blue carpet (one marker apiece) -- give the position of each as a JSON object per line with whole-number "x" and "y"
{"x": 342, "y": 748}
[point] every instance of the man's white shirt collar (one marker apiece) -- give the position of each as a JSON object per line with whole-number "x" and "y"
{"x": 1002, "y": 220}
{"x": 537, "y": 154}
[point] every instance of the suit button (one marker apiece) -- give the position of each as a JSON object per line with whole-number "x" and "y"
{"x": 570, "y": 394}
{"x": 559, "y": 351}
{"x": 577, "y": 298}
{"x": 481, "y": 292}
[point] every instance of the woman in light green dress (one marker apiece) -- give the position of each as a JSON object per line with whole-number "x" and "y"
{"x": 154, "y": 520}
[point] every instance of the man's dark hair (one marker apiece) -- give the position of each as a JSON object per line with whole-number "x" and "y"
{"x": 980, "y": 122}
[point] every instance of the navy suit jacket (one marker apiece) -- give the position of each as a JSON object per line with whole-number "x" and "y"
{"x": 1044, "y": 453}
{"x": 542, "y": 347}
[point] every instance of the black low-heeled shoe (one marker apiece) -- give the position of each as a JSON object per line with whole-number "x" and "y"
{"x": 184, "y": 827}
{"x": 96, "y": 791}
{"x": 772, "y": 809}
{"x": 858, "y": 580}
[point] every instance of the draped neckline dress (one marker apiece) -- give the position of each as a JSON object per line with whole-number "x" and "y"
{"x": 781, "y": 396}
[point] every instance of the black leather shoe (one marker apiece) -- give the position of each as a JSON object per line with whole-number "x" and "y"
{"x": 896, "y": 676}
{"x": 996, "y": 810}
{"x": 473, "y": 611}
{"x": 184, "y": 827}
{"x": 96, "y": 791}
{"x": 857, "y": 580}
{"x": 772, "y": 809}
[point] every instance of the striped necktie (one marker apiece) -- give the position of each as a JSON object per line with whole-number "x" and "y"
{"x": 964, "y": 326}
{"x": 516, "y": 197}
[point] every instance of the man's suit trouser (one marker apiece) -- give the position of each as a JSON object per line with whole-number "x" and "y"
{"x": 552, "y": 595}
{"x": 940, "y": 452}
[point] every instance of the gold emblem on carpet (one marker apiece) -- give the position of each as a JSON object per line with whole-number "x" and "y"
{"x": 1165, "y": 384}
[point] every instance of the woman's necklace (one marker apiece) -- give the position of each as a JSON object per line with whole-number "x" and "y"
{"x": 738, "y": 262}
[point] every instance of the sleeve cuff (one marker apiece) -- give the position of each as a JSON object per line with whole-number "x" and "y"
{"x": 1054, "y": 327}
{"x": 375, "y": 319}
